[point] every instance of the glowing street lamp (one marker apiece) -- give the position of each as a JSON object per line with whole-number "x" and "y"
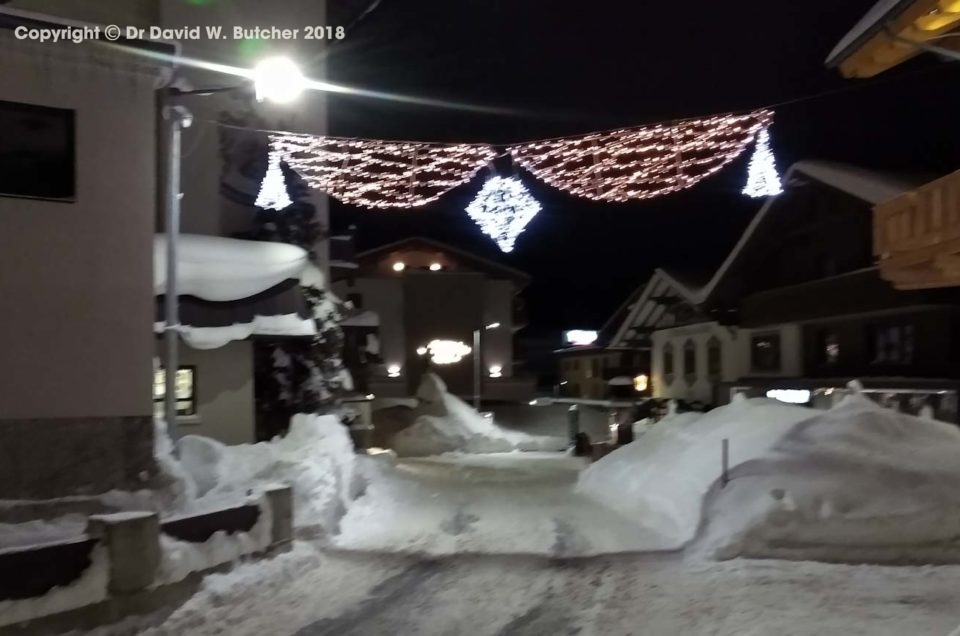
{"x": 279, "y": 80}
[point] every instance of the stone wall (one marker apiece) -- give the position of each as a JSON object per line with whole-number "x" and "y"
{"x": 44, "y": 458}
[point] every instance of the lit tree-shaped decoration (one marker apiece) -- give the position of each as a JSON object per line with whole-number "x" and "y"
{"x": 273, "y": 190}
{"x": 762, "y": 177}
{"x": 502, "y": 209}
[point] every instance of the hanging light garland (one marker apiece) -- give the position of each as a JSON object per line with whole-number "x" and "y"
{"x": 629, "y": 164}
{"x": 381, "y": 174}
{"x": 763, "y": 179}
{"x": 502, "y": 209}
{"x": 641, "y": 163}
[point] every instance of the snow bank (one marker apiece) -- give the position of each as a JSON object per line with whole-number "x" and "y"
{"x": 661, "y": 479}
{"x": 856, "y": 483}
{"x": 219, "y": 269}
{"x": 444, "y": 423}
{"x": 316, "y": 458}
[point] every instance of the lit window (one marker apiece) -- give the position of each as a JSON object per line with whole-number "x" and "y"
{"x": 399, "y": 266}
{"x": 435, "y": 267}
{"x": 496, "y": 371}
{"x": 447, "y": 351}
{"x": 640, "y": 383}
{"x": 186, "y": 391}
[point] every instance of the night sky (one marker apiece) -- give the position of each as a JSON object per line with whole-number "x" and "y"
{"x": 564, "y": 67}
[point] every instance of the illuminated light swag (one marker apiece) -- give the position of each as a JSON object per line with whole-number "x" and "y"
{"x": 273, "y": 190}
{"x": 762, "y": 179}
{"x": 629, "y": 164}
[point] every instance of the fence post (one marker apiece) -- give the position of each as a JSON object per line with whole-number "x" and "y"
{"x": 132, "y": 540}
{"x": 725, "y": 463}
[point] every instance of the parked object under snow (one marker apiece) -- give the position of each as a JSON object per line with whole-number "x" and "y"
{"x": 444, "y": 423}
{"x": 316, "y": 458}
{"x": 661, "y": 479}
{"x": 858, "y": 483}
{"x": 220, "y": 269}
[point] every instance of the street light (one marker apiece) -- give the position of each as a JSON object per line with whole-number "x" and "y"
{"x": 478, "y": 362}
{"x": 276, "y": 79}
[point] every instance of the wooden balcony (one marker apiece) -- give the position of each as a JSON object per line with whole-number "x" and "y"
{"x": 916, "y": 237}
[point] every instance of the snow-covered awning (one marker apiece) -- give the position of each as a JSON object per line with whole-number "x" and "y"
{"x": 362, "y": 319}
{"x": 222, "y": 269}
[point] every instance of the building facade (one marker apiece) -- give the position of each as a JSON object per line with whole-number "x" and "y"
{"x": 423, "y": 292}
{"x": 75, "y": 269}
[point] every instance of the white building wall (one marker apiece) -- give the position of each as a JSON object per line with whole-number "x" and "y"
{"x": 735, "y": 357}
{"x": 224, "y": 393}
{"x": 76, "y": 277}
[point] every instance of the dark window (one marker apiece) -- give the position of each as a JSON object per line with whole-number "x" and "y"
{"x": 714, "y": 359}
{"x": 765, "y": 353}
{"x": 36, "y": 151}
{"x": 690, "y": 361}
{"x": 829, "y": 348}
{"x": 668, "y": 364}
{"x": 891, "y": 344}
{"x": 186, "y": 391}
{"x": 356, "y": 300}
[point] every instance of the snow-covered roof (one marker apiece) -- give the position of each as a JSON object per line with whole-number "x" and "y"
{"x": 866, "y": 27}
{"x": 222, "y": 269}
{"x": 867, "y": 185}
{"x": 289, "y": 325}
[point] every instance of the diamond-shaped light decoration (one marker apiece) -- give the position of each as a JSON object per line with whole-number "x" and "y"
{"x": 502, "y": 209}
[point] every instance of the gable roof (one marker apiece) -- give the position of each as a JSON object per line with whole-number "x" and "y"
{"x": 522, "y": 278}
{"x": 870, "y": 187}
{"x": 866, "y": 28}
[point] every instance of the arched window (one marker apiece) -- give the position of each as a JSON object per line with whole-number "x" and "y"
{"x": 668, "y": 364}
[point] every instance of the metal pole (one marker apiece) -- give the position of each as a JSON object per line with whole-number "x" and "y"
{"x": 476, "y": 369}
{"x": 177, "y": 118}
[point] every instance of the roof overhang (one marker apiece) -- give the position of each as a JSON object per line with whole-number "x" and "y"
{"x": 894, "y": 31}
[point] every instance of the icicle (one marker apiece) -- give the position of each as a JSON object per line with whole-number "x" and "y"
{"x": 273, "y": 189}
{"x": 763, "y": 179}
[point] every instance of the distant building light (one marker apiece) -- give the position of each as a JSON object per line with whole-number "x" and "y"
{"x": 393, "y": 371}
{"x": 371, "y": 396}
{"x": 790, "y": 396}
{"x": 422, "y": 351}
{"x": 435, "y": 267}
{"x": 533, "y": 402}
{"x": 496, "y": 371}
{"x": 493, "y": 325}
{"x": 399, "y": 266}
{"x": 447, "y": 351}
{"x": 579, "y": 337}
{"x": 641, "y": 382}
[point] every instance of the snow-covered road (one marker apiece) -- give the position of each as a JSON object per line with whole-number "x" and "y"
{"x": 316, "y": 593}
{"x": 520, "y": 503}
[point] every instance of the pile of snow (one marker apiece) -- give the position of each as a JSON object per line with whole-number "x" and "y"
{"x": 37, "y": 531}
{"x": 661, "y": 479}
{"x": 316, "y": 457}
{"x": 444, "y": 423}
{"x": 856, "y": 483}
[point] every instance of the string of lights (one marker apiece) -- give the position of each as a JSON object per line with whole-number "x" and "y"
{"x": 641, "y": 163}
{"x": 381, "y": 174}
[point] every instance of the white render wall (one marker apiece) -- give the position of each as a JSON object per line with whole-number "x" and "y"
{"x": 76, "y": 330}
{"x": 224, "y": 385}
{"x": 734, "y": 361}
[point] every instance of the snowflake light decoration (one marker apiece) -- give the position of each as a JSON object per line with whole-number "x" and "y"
{"x": 502, "y": 209}
{"x": 762, "y": 177}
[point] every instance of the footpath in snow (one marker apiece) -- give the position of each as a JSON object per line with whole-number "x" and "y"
{"x": 508, "y": 503}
